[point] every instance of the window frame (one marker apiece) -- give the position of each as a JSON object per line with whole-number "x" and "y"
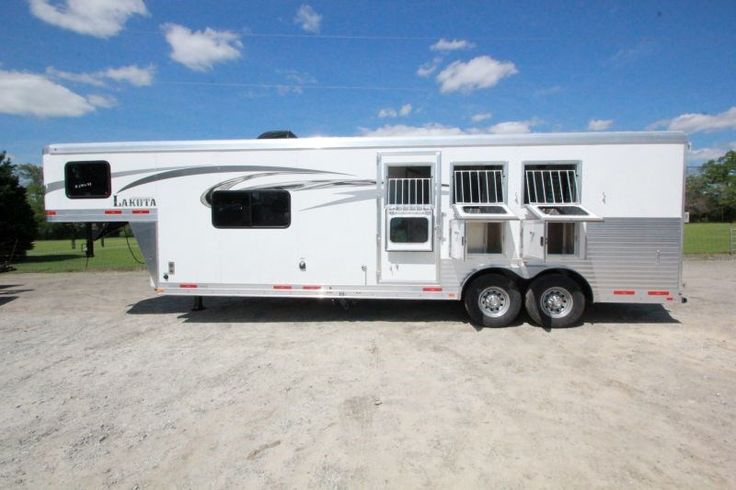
{"x": 248, "y": 192}
{"x": 426, "y": 246}
{"x": 88, "y": 162}
{"x": 536, "y": 208}
{"x": 458, "y": 208}
{"x": 406, "y": 165}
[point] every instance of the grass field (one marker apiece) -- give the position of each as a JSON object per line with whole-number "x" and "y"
{"x": 706, "y": 238}
{"x": 59, "y": 256}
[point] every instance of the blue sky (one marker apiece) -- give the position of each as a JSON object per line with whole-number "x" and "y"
{"x": 112, "y": 70}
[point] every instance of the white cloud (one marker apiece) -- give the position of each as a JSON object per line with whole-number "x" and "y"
{"x": 599, "y": 124}
{"x": 481, "y": 117}
{"x": 308, "y": 19}
{"x": 480, "y": 72}
{"x": 200, "y": 50}
{"x": 512, "y": 127}
{"x": 639, "y": 51}
{"x": 131, "y": 74}
{"x": 99, "y": 18}
{"x": 289, "y": 89}
{"x": 705, "y": 154}
{"x": 301, "y": 78}
{"x": 429, "y": 67}
{"x": 86, "y": 78}
{"x": 104, "y": 101}
{"x": 437, "y": 129}
{"x": 697, "y": 123}
{"x": 29, "y": 94}
{"x": 447, "y": 45}
{"x": 545, "y": 91}
{"x": 390, "y": 112}
{"x": 431, "y": 129}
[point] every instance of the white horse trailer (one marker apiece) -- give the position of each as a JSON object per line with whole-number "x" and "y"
{"x": 551, "y": 222}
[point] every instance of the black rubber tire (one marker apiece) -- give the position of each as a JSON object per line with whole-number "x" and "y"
{"x": 477, "y": 286}
{"x": 539, "y": 286}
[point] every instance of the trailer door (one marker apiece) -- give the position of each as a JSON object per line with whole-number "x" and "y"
{"x": 533, "y": 240}
{"x": 457, "y": 239}
{"x": 408, "y": 228}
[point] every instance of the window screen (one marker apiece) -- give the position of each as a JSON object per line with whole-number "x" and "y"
{"x": 409, "y": 185}
{"x": 409, "y": 230}
{"x": 87, "y": 180}
{"x": 478, "y": 184}
{"x": 269, "y": 208}
{"x": 550, "y": 184}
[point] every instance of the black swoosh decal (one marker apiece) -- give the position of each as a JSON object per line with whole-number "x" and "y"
{"x": 186, "y": 172}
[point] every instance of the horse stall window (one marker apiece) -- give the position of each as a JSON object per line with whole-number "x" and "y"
{"x": 409, "y": 185}
{"x": 561, "y": 238}
{"x": 87, "y": 180}
{"x": 477, "y": 184}
{"x": 267, "y": 208}
{"x": 484, "y": 238}
{"x": 551, "y": 184}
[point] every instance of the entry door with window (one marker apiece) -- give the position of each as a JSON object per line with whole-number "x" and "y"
{"x": 407, "y": 234}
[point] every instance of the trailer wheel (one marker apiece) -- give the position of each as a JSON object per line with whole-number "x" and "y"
{"x": 555, "y": 301}
{"x": 492, "y": 300}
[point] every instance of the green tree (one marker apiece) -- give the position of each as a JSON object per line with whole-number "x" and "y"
{"x": 31, "y": 177}
{"x": 711, "y": 195}
{"x": 720, "y": 176}
{"x": 17, "y": 226}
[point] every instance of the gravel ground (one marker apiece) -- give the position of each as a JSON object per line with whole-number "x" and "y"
{"x": 104, "y": 384}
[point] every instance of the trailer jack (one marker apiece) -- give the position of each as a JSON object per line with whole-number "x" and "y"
{"x": 198, "y": 304}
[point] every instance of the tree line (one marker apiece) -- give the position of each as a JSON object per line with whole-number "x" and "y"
{"x": 22, "y": 211}
{"x": 710, "y": 196}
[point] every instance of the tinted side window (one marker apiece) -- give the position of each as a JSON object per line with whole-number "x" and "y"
{"x": 409, "y": 230}
{"x": 87, "y": 180}
{"x": 269, "y": 208}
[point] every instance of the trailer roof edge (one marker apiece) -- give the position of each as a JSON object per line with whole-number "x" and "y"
{"x": 314, "y": 143}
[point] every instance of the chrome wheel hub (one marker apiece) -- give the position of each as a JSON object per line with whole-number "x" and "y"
{"x": 556, "y": 302}
{"x": 494, "y": 301}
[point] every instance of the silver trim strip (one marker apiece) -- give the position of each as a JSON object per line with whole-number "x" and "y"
{"x": 317, "y": 143}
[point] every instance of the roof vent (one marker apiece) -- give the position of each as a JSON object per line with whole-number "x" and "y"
{"x": 275, "y": 135}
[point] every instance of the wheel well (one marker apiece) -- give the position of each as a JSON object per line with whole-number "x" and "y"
{"x": 524, "y": 283}
{"x": 587, "y": 290}
{"x": 495, "y": 270}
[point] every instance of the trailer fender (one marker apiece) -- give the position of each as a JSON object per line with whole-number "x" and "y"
{"x": 520, "y": 281}
{"x": 584, "y": 285}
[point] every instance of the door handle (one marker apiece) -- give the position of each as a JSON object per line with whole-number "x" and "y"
{"x": 541, "y": 241}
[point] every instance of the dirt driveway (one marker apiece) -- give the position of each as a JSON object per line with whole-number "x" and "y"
{"x": 105, "y": 385}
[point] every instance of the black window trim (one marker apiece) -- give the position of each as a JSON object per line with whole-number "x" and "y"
{"x": 248, "y": 191}
{"x": 109, "y": 179}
